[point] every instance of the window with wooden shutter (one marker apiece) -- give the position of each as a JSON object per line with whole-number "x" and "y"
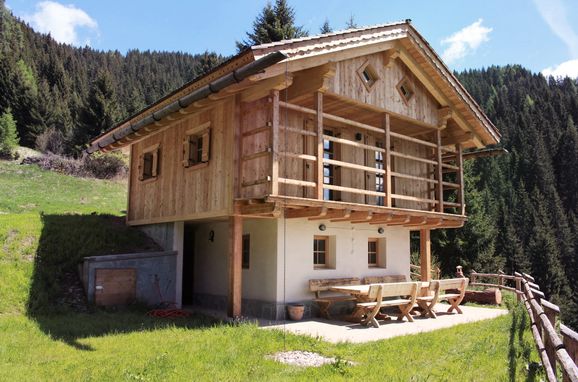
{"x": 148, "y": 166}
{"x": 197, "y": 146}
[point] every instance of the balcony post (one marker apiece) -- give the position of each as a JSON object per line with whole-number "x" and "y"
{"x": 425, "y": 254}
{"x": 439, "y": 172}
{"x": 319, "y": 150}
{"x": 460, "y": 179}
{"x": 274, "y": 190}
{"x": 235, "y": 269}
{"x": 387, "y": 159}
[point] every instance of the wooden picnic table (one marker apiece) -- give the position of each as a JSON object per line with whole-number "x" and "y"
{"x": 360, "y": 292}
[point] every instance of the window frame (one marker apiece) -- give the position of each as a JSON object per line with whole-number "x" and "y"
{"x": 325, "y": 252}
{"x": 375, "y": 253}
{"x": 409, "y": 92}
{"x": 200, "y": 133}
{"x": 154, "y": 152}
{"x": 368, "y": 76}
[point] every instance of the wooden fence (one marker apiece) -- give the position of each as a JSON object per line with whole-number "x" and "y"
{"x": 554, "y": 348}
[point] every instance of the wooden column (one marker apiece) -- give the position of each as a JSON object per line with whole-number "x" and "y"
{"x": 235, "y": 265}
{"x": 425, "y": 254}
{"x": 274, "y": 190}
{"x": 387, "y": 159}
{"x": 439, "y": 172}
{"x": 460, "y": 178}
{"x": 319, "y": 150}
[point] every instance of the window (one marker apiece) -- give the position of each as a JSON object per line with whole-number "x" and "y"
{"x": 149, "y": 163}
{"x": 368, "y": 75}
{"x": 405, "y": 90}
{"x": 197, "y": 145}
{"x": 379, "y": 177}
{"x": 246, "y": 251}
{"x": 328, "y": 169}
{"x": 372, "y": 252}
{"x": 320, "y": 251}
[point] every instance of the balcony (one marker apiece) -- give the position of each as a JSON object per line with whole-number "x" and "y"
{"x": 337, "y": 156}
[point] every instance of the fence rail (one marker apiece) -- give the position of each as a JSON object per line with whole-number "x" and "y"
{"x": 554, "y": 348}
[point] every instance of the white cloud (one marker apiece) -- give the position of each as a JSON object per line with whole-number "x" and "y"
{"x": 565, "y": 69}
{"x": 555, "y": 14}
{"x": 465, "y": 41}
{"x": 62, "y": 22}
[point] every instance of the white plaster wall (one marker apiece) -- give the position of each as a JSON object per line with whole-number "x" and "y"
{"x": 295, "y": 254}
{"x": 211, "y": 259}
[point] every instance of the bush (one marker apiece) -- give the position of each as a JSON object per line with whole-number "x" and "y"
{"x": 101, "y": 166}
{"x": 8, "y": 135}
{"x": 50, "y": 141}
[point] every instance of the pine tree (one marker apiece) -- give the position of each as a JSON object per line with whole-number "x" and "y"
{"x": 99, "y": 113}
{"x": 325, "y": 28}
{"x": 8, "y": 134}
{"x": 351, "y": 23}
{"x": 274, "y": 23}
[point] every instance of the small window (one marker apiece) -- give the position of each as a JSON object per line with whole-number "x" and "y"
{"x": 246, "y": 251}
{"x": 405, "y": 90}
{"x": 368, "y": 75}
{"x": 372, "y": 252}
{"x": 149, "y": 163}
{"x": 320, "y": 251}
{"x": 196, "y": 146}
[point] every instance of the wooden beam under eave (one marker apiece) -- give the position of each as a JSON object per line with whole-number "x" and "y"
{"x": 389, "y": 57}
{"x": 235, "y": 265}
{"x": 306, "y": 212}
{"x": 311, "y": 80}
{"x": 258, "y": 209}
{"x": 452, "y": 139}
{"x": 264, "y": 88}
{"x": 334, "y": 214}
{"x": 362, "y": 216}
{"x": 398, "y": 220}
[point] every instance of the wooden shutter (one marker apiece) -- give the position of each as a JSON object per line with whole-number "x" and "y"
{"x": 187, "y": 151}
{"x": 155, "y": 169}
{"x": 141, "y": 167}
{"x": 206, "y": 145}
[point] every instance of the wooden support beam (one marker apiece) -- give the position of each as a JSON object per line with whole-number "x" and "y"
{"x": 235, "y": 268}
{"x": 338, "y": 215}
{"x": 274, "y": 186}
{"x": 264, "y": 88}
{"x": 398, "y": 220}
{"x": 352, "y": 216}
{"x": 460, "y": 179}
{"x": 439, "y": 173}
{"x": 425, "y": 254}
{"x": 444, "y": 114}
{"x": 311, "y": 80}
{"x": 319, "y": 148}
{"x": 306, "y": 212}
{"x": 365, "y": 218}
{"x": 387, "y": 160}
{"x": 257, "y": 208}
{"x": 452, "y": 139}
{"x": 389, "y": 57}
{"x": 412, "y": 221}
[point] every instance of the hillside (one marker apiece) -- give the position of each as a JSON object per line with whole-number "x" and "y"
{"x": 78, "y": 92}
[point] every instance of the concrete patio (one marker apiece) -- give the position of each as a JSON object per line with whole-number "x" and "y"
{"x": 341, "y": 331}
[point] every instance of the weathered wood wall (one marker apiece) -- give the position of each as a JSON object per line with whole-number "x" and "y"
{"x": 180, "y": 193}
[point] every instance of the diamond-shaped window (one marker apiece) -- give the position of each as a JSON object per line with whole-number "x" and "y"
{"x": 368, "y": 75}
{"x": 405, "y": 89}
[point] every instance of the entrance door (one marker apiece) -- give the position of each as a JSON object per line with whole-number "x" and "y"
{"x": 188, "y": 264}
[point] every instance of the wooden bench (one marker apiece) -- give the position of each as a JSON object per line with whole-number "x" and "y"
{"x": 405, "y": 294}
{"x": 439, "y": 292}
{"x": 325, "y": 302}
{"x": 384, "y": 279}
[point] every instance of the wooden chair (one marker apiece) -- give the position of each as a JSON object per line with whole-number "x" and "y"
{"x": 325, "y": 302}
{"x": 437, "y": 289}
{"x": 377, "y": 293}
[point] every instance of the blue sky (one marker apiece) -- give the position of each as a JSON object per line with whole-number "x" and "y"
{"x": 539, "y": 34}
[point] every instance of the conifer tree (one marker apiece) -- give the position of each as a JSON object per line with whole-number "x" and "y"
{"x": 274, "y": 23}
{"x": 8, "y": 134}
{"x": 325, "y": 28}
{"x": 351, "y": 23}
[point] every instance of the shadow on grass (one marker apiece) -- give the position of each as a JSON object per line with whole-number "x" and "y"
{"x": 63, "y": 243}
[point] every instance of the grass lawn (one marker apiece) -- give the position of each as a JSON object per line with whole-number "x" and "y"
{"x": 46, "y": 226}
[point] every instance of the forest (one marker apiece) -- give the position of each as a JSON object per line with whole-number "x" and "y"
{"x": 522, "y": 206}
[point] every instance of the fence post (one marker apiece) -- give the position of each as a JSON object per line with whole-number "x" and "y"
{"x": 551, "y": 311}
{"x": 473, "y": 277}
{"x": 518, "y": 280}
{"x": 459, "y": 271}
{"x": 500, "y": 279}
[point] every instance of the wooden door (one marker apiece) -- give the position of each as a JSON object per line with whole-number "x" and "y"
{"x": 115, "y": 286}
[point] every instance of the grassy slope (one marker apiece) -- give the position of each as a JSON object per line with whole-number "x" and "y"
{"x": 129, "y": 346}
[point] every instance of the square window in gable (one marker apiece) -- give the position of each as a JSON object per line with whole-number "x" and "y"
{"x": 405, "y": 89}
{"x": 368, "y": 75}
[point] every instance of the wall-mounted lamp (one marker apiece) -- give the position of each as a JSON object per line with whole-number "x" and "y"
{"x": 380, "y": 230}
{"x": 358, "y": 136}
{"x": 322, "y": 227}
{"x": 211, "y": 236}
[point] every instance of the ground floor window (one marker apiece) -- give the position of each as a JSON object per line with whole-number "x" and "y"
{"x": 246, "y": 251}
{"x": 372, "y": 252}
{"x": 320, "y": 251}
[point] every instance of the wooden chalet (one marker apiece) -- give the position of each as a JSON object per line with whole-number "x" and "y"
{"x": 302, "y": 159}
